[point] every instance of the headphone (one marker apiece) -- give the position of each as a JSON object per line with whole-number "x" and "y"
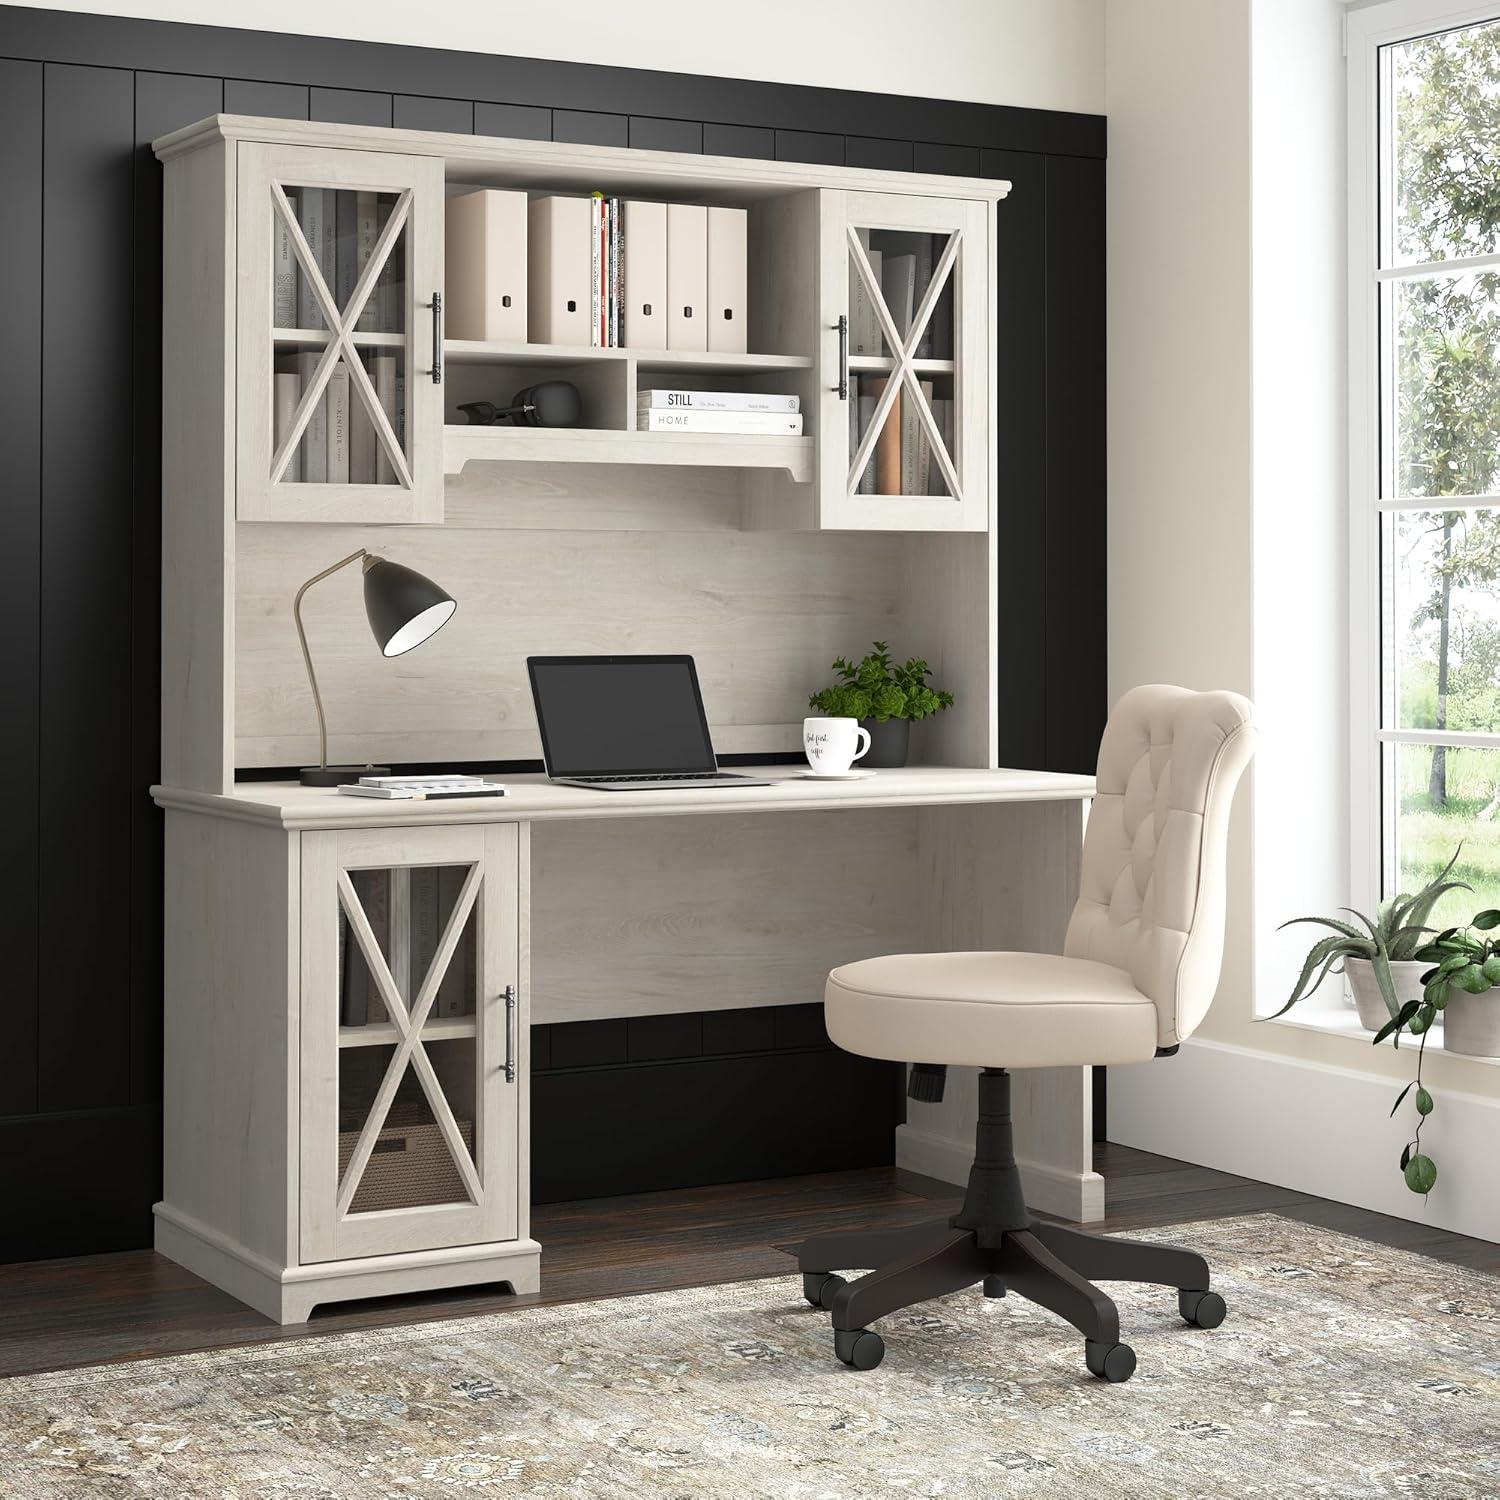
{"x": 550, "y": 403}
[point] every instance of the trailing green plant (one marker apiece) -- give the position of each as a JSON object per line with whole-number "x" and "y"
{"x": 1465, "y": 962}
{"x": 1394, "y": 935}
{"x": 877, "y": 688}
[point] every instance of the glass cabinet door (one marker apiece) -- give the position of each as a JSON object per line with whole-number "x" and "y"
{"x": 911, "y": 378}
{"x": 340, "y": 263}
{"x": 411, "y": 1040}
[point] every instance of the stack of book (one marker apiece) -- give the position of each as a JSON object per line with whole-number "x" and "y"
{"x": 339, "y": 443}
{"x": 903, "y": 461}
{"x": 718, "y": 411}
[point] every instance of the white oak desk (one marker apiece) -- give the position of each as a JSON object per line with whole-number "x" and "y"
{"x": 592, "y": 904}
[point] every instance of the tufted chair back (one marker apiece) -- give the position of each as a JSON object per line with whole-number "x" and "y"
{"x": 1152, "y": 893}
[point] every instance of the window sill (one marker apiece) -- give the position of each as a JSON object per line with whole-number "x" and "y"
{"x": 1335, "y": 1019}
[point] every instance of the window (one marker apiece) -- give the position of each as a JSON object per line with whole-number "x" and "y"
{"x": 1424, "y": 149}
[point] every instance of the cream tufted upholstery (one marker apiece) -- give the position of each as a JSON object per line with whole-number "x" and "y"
{"x": 1146, "y": 938}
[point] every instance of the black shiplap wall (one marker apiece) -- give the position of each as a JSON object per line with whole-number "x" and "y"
{"x": 81, "y": 97}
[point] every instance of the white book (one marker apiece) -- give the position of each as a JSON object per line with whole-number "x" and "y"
{"x": 716, "y": 401}
{"x": 288, "y": 393}
{"x": 866, "y": 416}
{"x": 864, "y": 326}
{"x": 898, "y": 283}
{"x": 310, "y": 218}
{"x": 338, "y": 425}
{"x": 942, "y": 414}
{"x": 784, "y": 424}
{"x": 362, "y": 440}
{"x": 921, "y": 278}
{"x": 596, "y": 285}
{"x": 916, "y": 453}
{"x": 284, "y": 271}
{"x": 383, "y": 377}
{"x": 346, "y": 261}
{"x": 315, "y": 434}
{"x": 366, "y": 232}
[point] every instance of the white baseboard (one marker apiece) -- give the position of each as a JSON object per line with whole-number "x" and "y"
{"x": 1078, "y": 1196}
{"x": 1318, "y": 1129}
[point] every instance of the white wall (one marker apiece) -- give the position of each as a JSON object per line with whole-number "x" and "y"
{"x": 1228, "y": 534}
{"x": 1044, "y": 54}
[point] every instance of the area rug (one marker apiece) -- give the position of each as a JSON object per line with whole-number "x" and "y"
{"x": 1344, "y": 1370}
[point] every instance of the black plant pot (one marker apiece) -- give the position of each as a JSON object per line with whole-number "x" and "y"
{"x": 889, "y": 743}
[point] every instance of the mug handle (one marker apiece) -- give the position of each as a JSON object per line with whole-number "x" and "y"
{"x": 863, "y": 749}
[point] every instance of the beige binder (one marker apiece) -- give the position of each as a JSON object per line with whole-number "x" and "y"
{"x": 687, "y": 275}
{"x": 645, "y": 312}
{"x": 726, "y": 280}
{"x": 485, "y": 266}
{"x": 557, "y": 268}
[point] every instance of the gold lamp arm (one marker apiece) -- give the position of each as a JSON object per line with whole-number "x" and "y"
{"x": 312, "y": 677}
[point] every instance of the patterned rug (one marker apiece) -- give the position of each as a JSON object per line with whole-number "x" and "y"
{"x": 1344, "y": 1370}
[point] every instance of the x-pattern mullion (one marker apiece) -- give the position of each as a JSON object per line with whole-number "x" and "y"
{"x": 340, "y": 325}
{"x": 409, "y": 1048}
{"x": 904, "y": 352}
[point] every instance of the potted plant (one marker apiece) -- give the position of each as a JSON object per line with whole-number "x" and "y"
{"x": 1382, "y": 962}
{"x": 885, "y": 698}
{"x": 1463, "y": 985}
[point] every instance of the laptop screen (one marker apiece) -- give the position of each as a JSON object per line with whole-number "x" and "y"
{"x": 613, "y": 715}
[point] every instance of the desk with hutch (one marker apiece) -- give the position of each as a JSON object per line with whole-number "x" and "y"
{"x": 760, "y": 556}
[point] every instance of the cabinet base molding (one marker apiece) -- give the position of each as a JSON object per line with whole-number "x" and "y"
{"x": 289, "y": 1294}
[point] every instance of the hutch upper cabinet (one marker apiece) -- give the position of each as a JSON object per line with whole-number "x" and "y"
{"x": 868, "y": 299}
{"x": 338, "y": 316}
{"x": 906, "y": 279}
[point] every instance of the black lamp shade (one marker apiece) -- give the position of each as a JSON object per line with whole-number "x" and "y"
{"x": 404, "y": 607}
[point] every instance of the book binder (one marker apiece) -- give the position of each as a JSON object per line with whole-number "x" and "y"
{"x": 645, "y": 319}
{"x": 485, "y": 270}
{"x": 687, "y": 276}
{"x": 559, "y": 296}
{"x": 726, "y": 280}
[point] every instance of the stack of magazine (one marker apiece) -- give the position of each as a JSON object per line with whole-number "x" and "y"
{"x": 718, "y": 411}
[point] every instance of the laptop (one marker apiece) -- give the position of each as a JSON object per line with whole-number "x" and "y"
{"x": 625, "y": 723}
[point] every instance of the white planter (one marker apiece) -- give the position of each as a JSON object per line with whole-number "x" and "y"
{"x": 1471, "y": 1023}
{"x": 1406, "y": 975}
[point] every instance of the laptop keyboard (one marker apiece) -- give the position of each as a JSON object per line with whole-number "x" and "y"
{"x": 669, "y": 776}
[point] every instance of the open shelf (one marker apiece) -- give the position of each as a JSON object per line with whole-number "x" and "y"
{"x": 383, "y": 1034}
{"x": 478, "y": 351}
{"x": 589, "y": 445}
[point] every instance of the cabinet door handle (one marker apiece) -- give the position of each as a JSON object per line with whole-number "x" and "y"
{"x": 843, "y": 327}
{"x": 510, "y": 1033}
{"x": 437, "y": 338}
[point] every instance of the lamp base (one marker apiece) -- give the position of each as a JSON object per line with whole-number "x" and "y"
{"x": 338, "y": 775}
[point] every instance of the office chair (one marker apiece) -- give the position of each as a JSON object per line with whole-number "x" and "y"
{"x": 1139, "y": 968}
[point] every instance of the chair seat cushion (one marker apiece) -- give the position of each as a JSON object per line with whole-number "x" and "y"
{"x": 990, "y": 1010}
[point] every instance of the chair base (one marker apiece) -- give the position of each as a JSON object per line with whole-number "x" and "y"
{"x": 994, "y": 1239}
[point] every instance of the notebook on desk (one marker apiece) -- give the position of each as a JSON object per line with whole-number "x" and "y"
{"x": 625, "y": 723}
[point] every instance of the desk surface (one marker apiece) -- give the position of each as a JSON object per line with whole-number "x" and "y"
{"x": 533, "y": 798}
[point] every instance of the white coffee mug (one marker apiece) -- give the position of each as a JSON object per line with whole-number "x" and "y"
{"x": 830, "y": 744}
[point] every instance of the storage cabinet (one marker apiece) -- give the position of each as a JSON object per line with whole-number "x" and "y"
{"x": 339, "y": 336}
{"x": 906, "y": 357}
{"x": 411, "y": 1026}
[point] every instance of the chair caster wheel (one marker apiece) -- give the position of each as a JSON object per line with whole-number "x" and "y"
{"x": 1112, "y": 1362}
{"x": 994, "y": 1286}
{"x": 1202, "y": 1309}
{"x": 858, "y": 1347}
{"x": 820, "y": 1288}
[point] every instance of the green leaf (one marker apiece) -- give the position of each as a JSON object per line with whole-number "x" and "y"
{"x": 1471, "y": 978}
{"x": 1333, "y": 922}
{"x": 1405, "y": 1155}
{"x": 1490, "y": 968}
{"x": 1399, "y": 1097}
{"x": 1424, "y": 1101}
{"x": 1420, "y": 1173}
{"x": 1382, "y": 966}
{"x": 1324, "y": 952}
{"x": 1397, "y": 1021}
{"x": 1486, "y": 920}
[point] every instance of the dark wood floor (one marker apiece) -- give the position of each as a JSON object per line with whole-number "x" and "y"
{"x": 60, "y": 1313}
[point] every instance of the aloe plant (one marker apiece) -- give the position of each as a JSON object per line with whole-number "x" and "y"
{"x": 1395, "y": 935}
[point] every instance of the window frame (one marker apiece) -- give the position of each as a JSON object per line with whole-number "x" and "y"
{"x": 1371, "y": 402}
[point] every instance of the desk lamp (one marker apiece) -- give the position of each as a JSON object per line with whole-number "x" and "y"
{"x": 404, "y": 609}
